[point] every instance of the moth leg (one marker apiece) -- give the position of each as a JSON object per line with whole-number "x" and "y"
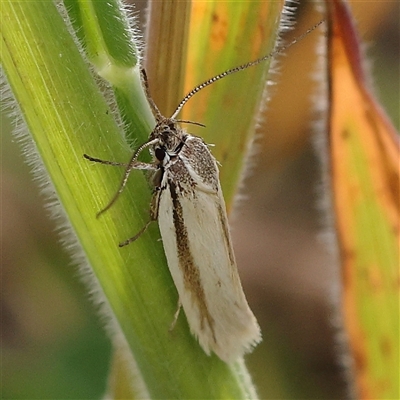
{"x": 133, "y": 164}
{"x": 98, "y": 160}
{"x": 153, "y": 217}
{"x": 137, "y": 236}
{"x": 176, "y": 315}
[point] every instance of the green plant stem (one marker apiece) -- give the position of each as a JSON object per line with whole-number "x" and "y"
{"x": 67, "y": 117}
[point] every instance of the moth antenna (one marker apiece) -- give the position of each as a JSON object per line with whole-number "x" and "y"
{"x": 154, "y": 109}
{"x": 128, "y": 170}
{"x": 185, "y": 121}
{"x": 241, "y": 68}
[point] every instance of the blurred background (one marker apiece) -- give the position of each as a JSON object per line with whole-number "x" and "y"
{"x": 53, "y": 345}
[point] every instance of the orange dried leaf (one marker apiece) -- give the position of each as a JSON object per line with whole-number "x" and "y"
{"x": 365, "y": 171}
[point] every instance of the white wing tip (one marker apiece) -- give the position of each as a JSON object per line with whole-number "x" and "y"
{"x": 230, "y": 346}
{"x": 238, "y": 346}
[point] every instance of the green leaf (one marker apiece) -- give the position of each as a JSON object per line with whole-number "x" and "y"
{"x": 67, "y": 116}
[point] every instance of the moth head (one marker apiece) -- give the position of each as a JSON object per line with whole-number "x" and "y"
{"x": 168, "y": 138}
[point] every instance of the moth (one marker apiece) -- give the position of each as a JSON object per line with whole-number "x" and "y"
{"x": 190, "y": 209}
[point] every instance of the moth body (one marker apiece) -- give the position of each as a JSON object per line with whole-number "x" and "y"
{"x": 194, "y": 228}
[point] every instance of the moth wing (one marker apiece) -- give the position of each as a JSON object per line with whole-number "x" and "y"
{"x": 197, "y": 243}
{"x": 233, "y": 329}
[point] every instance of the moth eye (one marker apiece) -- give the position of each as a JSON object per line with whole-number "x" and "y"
{"x": 166, "y": 135}
{"x": 160, "y": 154}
